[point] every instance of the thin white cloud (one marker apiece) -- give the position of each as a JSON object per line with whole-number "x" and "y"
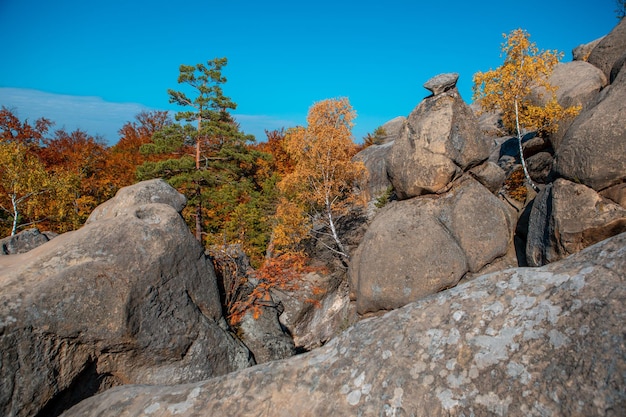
{"x": 99, "y": 117}
{"x": 91, "y": 114}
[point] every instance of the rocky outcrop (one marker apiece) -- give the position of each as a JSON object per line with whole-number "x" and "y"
{"x": 317, "y": 311}
{"x": 442, "y": 83}
{"x": 566, "y": 218}
{"x": 420, "y": 246}
{"x": 593, "y": 148}
{"x": 440, "y": 140}
{"x": 609, "y": 54}
{"x": 128, "y": 298}
{"x": 24, "y": 241}
{"x": 582, "y": 52}
{"x": 578, "y": 83}
{"x": 520, "y": 342}
{"x": 393, "y": 128}
{"x": 260, "y": 331}
{"x": 374, "y": 159}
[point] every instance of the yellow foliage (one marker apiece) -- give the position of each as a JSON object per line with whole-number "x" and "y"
{"x": 324, "y": 176}
{"x": 509, "y": 88}
{"x": 292, "y": 224}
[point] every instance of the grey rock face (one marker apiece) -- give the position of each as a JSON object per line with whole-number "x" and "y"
{"x": 128, "y": 298}
{"x": 566, "y": 218}
{"x": 393, "y": 128}
{"x": 374, "y": 159}
{"x": 610, "y": 51}
{"x": 582, "y": 52}
{"x": 417, "y": 247}
{"x": 442, "y": 83}
{"x": 593, "y": 148}
{"x": 520, "y": 342}
{"x": 127, "y": 198}
{"x": 440, "y": 140}
{"x": 578, "y": 83}
{"x": 24, "y": 241}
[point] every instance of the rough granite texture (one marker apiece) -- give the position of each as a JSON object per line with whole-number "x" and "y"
{"x": 128, "y": 298}
{"x": 547, "y": 341}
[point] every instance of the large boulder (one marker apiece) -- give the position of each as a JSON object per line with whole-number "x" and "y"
{"x": 417, "y": 247}
{"x": 128, "y": 298}
{"x": 593, "y": 148}
{"x": 440, "y": 140}
{"x": 578, "y": 83}
{"x": 566, "y": 218}
{"x": 522, "y": 342}
{"x": 610, "y": 52}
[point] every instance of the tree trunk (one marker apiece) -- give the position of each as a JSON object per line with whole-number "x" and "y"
{"x": 15, "y": 214}
{"x": 521, "y": 150}
{"x": 198, "y": 214}
{"x": 333, "y": 230}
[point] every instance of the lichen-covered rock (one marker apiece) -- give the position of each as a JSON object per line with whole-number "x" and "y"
{"x": 417, "y": 247}
{"x": 522, "y": 342}
{"x": 440, "y": 140}
{"x": 128, "y": 298}
{"x": 566, "y": 218}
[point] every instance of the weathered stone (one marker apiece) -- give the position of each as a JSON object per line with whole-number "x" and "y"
{"x": 521, "y": 342}
{"x": 442, "y": 83}
{"x": 265, "y": 337}
{"x": 374, "y": 159}
{"x": 593, "y": 148}
{"x": 440, "y": 140}
{"x": 417, "y": 247}
{"x": 24, "y": 241}
{"x": 610, "y": 50}
{"x": 128, "y": 298}
{"x": 393, "y": 128}
{"x": 489, "y": 175}
{"x": 582, "y": 52}
{"x": 127, "y": 198}
{"x": 540, "y": 167}
{"x": 616, "y": 193}
{"x": 260, "y": 330}
{"x": 314, "y": 319}
{"x": 578, "y": 83}
{"x": 566, "y": 218}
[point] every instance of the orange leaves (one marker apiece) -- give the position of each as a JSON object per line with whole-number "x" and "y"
{"x": 322, "y": 183}
{"x": 283, "y": 272}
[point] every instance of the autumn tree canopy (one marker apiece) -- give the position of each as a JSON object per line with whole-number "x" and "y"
{"x": 321, "y": 186}
{"x": 509, "y": 89}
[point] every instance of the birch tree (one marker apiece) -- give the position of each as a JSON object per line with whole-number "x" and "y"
{"x": 508, "y": 89}
{"x": 322, "y": 184}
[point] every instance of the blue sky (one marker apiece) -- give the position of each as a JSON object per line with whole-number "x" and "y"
{"x": 95, "y": 64}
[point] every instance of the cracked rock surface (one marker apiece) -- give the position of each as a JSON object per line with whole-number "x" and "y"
{"x": 128, "y": 298}
{"x": 520, "y": 342}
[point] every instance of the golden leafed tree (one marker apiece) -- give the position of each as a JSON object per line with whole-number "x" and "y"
{"x": 24, "y": 186}
{"x": 323, "y": 181}
{"x": 509, "y": 89}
